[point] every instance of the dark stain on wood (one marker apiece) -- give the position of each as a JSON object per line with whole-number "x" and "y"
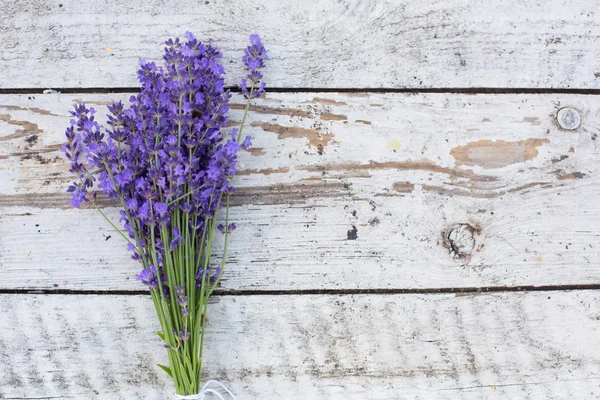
{"x": 31, "y": 140}
{"x": 400, "y": 165}
{"x": 483, "y": 194}
{"x": 320, "y": 149}
{"x": 461, "y": 193}
{"x": 266, "y": 171}
{"x": 29, "y": 153}
{"x": 51, "y": 200}
{"x": 256, "y": 195}
{"x": 352, "y": 233}
{"x": 572, "y": 175}
{"x": 559, "y": 159}
{"x": 293, "y": 112}
{"x": 286, "y": 132}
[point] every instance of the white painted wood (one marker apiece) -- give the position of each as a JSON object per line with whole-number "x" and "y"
{"x": 541, "y": 345}
{"x": 356, "y": 44}
{"x": 396, "y": 172}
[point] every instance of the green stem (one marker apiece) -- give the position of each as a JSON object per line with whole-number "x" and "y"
{"x": 243, "y": 123}
{"x": 218, "y": 279}
{"x": 110, "y": 222}
{"x": 185, "y": 195}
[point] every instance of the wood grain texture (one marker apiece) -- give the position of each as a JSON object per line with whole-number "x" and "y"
{"x": 435, "y": 191}
{"x": 346, "y": 44}
{"x": 490, "y": 346}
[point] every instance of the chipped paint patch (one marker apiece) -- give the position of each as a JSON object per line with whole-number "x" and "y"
{"x": 292, "y": 112}
{"x": 532, "y": 120}
{"x": 333, "y": 117}
{"x": 497, "y": 154}
{"x": 256, "y": 151}
{"x": 323, "y": 100}
{"x": 31, "y": 109}
{"x": 572, "y": 175}
{"x": 404, "y": 187}
{"x": 28, "y": 128}
{"x": 287, "y": 132}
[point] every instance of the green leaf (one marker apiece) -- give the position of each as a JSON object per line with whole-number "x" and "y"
{"x": 166, "y": 369}
{"x": 161, "y": 335}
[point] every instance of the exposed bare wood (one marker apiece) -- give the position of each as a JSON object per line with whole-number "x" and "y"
{"x": 429, "y": 347}
{"x": 497, "y": 154}
{"x": 350, "y": 44}
{"x": 371, "y": 209}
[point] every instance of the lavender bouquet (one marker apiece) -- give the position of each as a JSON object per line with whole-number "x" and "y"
{"x": 168, "y": 160}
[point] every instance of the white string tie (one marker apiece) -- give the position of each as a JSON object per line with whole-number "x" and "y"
{"x": 206, "y": 390}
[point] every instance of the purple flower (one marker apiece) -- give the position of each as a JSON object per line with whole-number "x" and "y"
{"x": 175, "y": 240}
{"x": 230, "y": 228}
{"x": 254, "y": 59}
{"x": 168, "y": 156}
{"x": 247, "y": 143}
{"x": 182, "y": 300}
{"x": 160, "y": 210}
{"x": 255, "y": 54}
{"x": 183, "y": 334}
{"x": 124, "y": 178}
{"x": 148, "y": 277}
{"x": 210, "y": 277}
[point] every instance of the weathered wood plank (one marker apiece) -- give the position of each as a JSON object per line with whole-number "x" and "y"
{"x": 490, "y": 346}
{"x": 357, "y": 44}
{"x": 376, "y": 191}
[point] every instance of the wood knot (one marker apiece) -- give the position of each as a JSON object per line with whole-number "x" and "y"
{"x": 459, "y": 239}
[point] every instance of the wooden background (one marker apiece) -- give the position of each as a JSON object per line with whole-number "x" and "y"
{"x": 413, "y": 223}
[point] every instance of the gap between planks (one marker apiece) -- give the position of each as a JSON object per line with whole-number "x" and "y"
{"x": 469, "y": 291}
{"x": 236, "y": 89}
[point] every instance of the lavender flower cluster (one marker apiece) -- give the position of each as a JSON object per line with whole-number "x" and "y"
{"x": 168, "y": 160}
{"x": 166, "y": 155}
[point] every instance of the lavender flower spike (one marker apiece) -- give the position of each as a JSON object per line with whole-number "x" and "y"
{"x": 254, "y": 60}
